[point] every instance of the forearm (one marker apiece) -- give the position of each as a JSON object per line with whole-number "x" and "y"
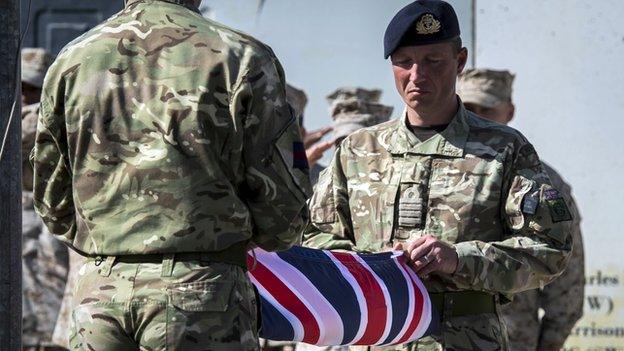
{"x": 509, "y": 266}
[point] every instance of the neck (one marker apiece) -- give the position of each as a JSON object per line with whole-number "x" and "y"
{"x": 432, "y": 117}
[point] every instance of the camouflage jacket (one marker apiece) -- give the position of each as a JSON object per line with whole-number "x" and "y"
{"x": 161, "y": 131}
{"x": 478, "y": 185}
{"x": 562, "y": 300}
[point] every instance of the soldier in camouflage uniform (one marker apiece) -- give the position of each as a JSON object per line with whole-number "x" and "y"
{"x": 488, "y": 94}
{"x": 44, "y": 259}
{"x": 165, "y": 149}
{"x": 465, "y": 197}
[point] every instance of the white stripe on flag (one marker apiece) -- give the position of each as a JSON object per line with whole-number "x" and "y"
{"x": 425, "y": 320}
{"x": 412, "y": 303}
{"x": 328, "y": 319}
{"x": 387, "y": 298}
{"x": 358, "y": 293}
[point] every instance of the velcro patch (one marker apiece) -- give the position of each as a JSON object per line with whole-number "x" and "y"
{"x": 300, "y": 160}
{"x": 551, "y": 194}
{"x": 529, "y": 204}
{"x": 557, "y": 206}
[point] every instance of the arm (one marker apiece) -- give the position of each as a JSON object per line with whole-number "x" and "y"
{"x": 52, "y": 179}
{"x": 536, "y": 245}
{"x": 562, "y": 300}
{"x": 276, "y": 180}
{"x": 330, "y": 227}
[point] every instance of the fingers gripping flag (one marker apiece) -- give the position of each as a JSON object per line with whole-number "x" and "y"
{"x": 339, "y": 298}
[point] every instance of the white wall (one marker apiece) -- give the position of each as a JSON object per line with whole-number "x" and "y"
{"x": 569, "y": 93}
{"x": 567, "y": 56}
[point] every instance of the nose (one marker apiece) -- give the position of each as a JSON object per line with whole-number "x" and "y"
{"x": 416, "y": 72}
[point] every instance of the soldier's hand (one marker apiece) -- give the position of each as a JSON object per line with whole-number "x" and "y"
{"x": 316, "y": 151}
{"x": 312, "y": 138}
{"x": 428, "y": 255}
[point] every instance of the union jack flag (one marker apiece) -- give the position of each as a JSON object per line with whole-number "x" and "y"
{"x": 339, "y": 298}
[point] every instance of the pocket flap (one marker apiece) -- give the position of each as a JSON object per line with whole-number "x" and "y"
{"x": 201, "y": 296}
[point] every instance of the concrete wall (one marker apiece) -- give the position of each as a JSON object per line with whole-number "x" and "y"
{"x": 567, "y": 56}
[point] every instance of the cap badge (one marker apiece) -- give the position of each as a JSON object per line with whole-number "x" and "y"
{"x": 428, "y": 25}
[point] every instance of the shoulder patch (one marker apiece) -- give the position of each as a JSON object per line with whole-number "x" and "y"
{"x": 559, "y": 211}
{"x": 300, "y": 160}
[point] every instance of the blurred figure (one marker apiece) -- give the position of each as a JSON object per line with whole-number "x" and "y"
{"x": 44, "y": 258}
{"x": 353, "y": 108}
{"x": 488, "y": 94}
{"x": 315, "y": 148}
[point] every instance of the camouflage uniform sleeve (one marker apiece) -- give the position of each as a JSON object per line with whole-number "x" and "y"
{"x": 535, "y": 245}
{"x": 562, "y": 300}
{"x": 52, "y": 180}
{"x": 330, "y": 225}
{"x": 277, "y": 184}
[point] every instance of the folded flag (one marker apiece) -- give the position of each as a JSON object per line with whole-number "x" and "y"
{"x": 328, "y": 298}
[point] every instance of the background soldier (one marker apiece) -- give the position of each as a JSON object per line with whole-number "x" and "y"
{"x": 467, "y": 198}
{"x": 165, "y": 148}
{"x": 315, "y": 148}
{"x": 488, "y": 94}
{"x": 44, "y": 259}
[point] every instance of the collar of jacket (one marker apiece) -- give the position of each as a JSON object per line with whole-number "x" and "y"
{"x": 186, "y": 3}
{"x": 451, "y": 142}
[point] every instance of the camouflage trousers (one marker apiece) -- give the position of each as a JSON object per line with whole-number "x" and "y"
{"x": 163, "y": 306}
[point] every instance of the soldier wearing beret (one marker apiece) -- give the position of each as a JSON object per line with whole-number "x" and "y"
{"x": 487, "y": 93}
{"x": 466, "y": 198}
{"x": 165, "y": 149}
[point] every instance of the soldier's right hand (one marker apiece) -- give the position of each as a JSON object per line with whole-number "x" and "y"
{"x": 428, "y": 254}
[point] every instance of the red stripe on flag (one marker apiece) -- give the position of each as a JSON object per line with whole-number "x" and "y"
{"x": 375, "y": 302}
{"x": 418, "y": 307}
{"x": 290, "y": 301}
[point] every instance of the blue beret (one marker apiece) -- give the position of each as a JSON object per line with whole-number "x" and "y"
{"x": 419, "y": 23}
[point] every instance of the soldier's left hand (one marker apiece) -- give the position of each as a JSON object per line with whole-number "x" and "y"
{"x": 428, "y": 255}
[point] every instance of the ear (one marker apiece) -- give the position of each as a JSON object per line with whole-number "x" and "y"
{"x": 462, "y": 59}
{"x": 511, "y": 112}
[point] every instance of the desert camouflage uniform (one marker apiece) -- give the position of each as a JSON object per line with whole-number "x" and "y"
{"x": 477, "y": 184}
{"x": 44, "y": 259}
{"x": 165, "y": 148}
{"x": 561, "y": 300}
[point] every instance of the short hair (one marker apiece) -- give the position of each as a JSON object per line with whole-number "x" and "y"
{"x": 456, "y": 44}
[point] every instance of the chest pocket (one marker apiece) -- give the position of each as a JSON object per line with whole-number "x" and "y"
{"x": 372, "y": 196}
{"x": 465, "y": 198}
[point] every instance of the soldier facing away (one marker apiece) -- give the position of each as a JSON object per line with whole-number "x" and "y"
{"x": 165, "y": 148}
{"x": 488, "y": 93}
{"x": 44, "y": 259}
{"x": 466, "y": 198}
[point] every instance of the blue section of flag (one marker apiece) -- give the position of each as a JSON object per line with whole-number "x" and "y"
{"x": 330, "y": 282}
{"x": 274, "y": 325}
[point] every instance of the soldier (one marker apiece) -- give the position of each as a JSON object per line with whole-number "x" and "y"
{"x": 354, "y": 108}
{"x": 465, "y": 197}
{"x": 44, "y": 259}
{"x": 315, "y": 148}
{"x": 488, "y": 94}
{"x": 165, "y": 149}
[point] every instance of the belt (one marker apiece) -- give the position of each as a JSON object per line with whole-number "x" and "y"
{"x": 463, "y": 303}
{"x": 235, "y": 255}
